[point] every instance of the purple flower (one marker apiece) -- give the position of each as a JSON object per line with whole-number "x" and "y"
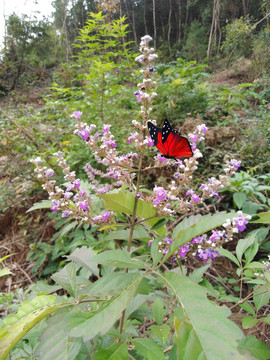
{"x": 150, "y": 242}
{"x": 197, "y": 240}
{"x": 150, "y": 68}
{"x": 206, "y": 254}
{"x": 83, "y": 205}
{"x": 65, "y": 214}
{"x": 183, "y": 250}
{"x": 235, "y": 163}
{"x": 68, "y": 194}
{"x": 168, "y": 240}
{"x": 240, "y": 223}
{"x": 69, "y": 187}
{"x": 82, "y": 193}
{"x": 106, "y": 128}
{"x": 161, "y": 158}
{"x": 105, "y": 215}
{"x": 195, "y": 198}
{"x": 54, "y": 206}
{"x": 160, "y": 193}
{"x": 133, "y": 136}
{"x": 84, "y": 134}
{"x": 165, "y": 251}
{"x": 216, "y": 235}
{"x": 193, "y": 137}
{"x": 77, "y": 115}
{"x": 49, "y": 173}
{"x": 77, "y": 183}
{"x": 137, "y": 94}
{"x": 149, "y": 141}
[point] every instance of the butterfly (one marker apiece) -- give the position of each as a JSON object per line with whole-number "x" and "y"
{"x": 169, "y": 141}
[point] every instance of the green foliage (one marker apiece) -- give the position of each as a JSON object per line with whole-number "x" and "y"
{"x": 95, "y": 80}
{"x": 194, "y": 49}
{"x": 237, "y": 40}
{"x": 250, "y": 193}
{"x": 181, "y": 89}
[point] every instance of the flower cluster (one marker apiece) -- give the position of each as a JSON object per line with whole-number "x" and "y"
{"x": 74, "y": 201}
{"x": 265, "y": 271}
{"x": 237, "y": 224}
{"x": 204, "y": 247}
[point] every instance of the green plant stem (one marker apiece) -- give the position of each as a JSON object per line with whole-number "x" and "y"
{"x": 133, "y": 223}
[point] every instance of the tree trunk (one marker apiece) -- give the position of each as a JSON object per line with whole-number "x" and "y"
{"x": 154, "y": 24}
{"x": 131, "y": 18}
{"x": 244, "y": 4}
{"x": 179, "y": 21}
{"x": 169, "y": 26}
{"x": 144, "y": 17}
{"x": 215, "y": 27}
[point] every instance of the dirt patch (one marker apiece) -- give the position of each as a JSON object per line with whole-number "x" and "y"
{"x": 238, "y": 73}
{"x": 214, "y": 134}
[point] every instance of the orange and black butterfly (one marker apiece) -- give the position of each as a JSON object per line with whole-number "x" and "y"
{"x": 169, "y": 141}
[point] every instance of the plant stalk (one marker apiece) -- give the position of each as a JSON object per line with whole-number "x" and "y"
{"x": 133, "y": 223}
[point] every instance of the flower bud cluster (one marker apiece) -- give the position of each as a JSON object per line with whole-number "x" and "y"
{"x": 143, "y": 94}
{"x": 236, "y": 225}
{"x": 74, "y": 201}
{"x": 265, "y": 271}
{"x": 204, "y": 247}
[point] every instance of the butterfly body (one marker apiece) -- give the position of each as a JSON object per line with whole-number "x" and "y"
{"x": 169, "y": 141}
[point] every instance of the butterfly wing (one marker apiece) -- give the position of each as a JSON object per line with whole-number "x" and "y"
{"x": 169, "y": 141}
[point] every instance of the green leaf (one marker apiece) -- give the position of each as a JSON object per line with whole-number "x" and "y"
{"x": 161, "y": 331}
{"x": 186, "y": 223}
{"x": 148, "y": 348}
{"x": 88, "y": 325}
{"x": 5, "y": 257}
{"x": 109, "y": 285}
{"x": 83, "y": 257}
{"x": 254, "y": 265}
{"x": 118, "y": 258}
{"x": 44, "y": 204}
{"x": 252, "y": 251}
{"x": 54, "y": 342}
{"x": 264, "y": 218}
{"x": 209, "y": 321}
{"x": 228, "y": 255}
{"x": 5, "y": 271}
{"x": 248, "y": 308}
{"x": 266, "y": 319}
{"x": 113, "y": 352}
{"x": 248, "y": 322}
{"x": 202, "y": 225}
{"x": 243, "y": 244}
{"x": 145, "y": 287}
{"x": 250, "y": 207}
{"x": 197, "y": 274}
{"x": 123, "y": 201}
{"x": 188, "y": 344}
{"x": 155, "y": 253}
{"x": 239, "y": 199}
{"x": 139, "y": 233}
{"x": 261, "y": 296}
{"x": 256, "y": 347}
{"x": 29, "y": 314}
{"x": 66, "y": 277}
{"x": 158, "y": 311}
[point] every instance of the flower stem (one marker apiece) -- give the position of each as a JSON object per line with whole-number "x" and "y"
{"x": 133, "y": 223}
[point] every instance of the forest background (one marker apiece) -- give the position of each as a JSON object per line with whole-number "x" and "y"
{"x": 213, "y": 68}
